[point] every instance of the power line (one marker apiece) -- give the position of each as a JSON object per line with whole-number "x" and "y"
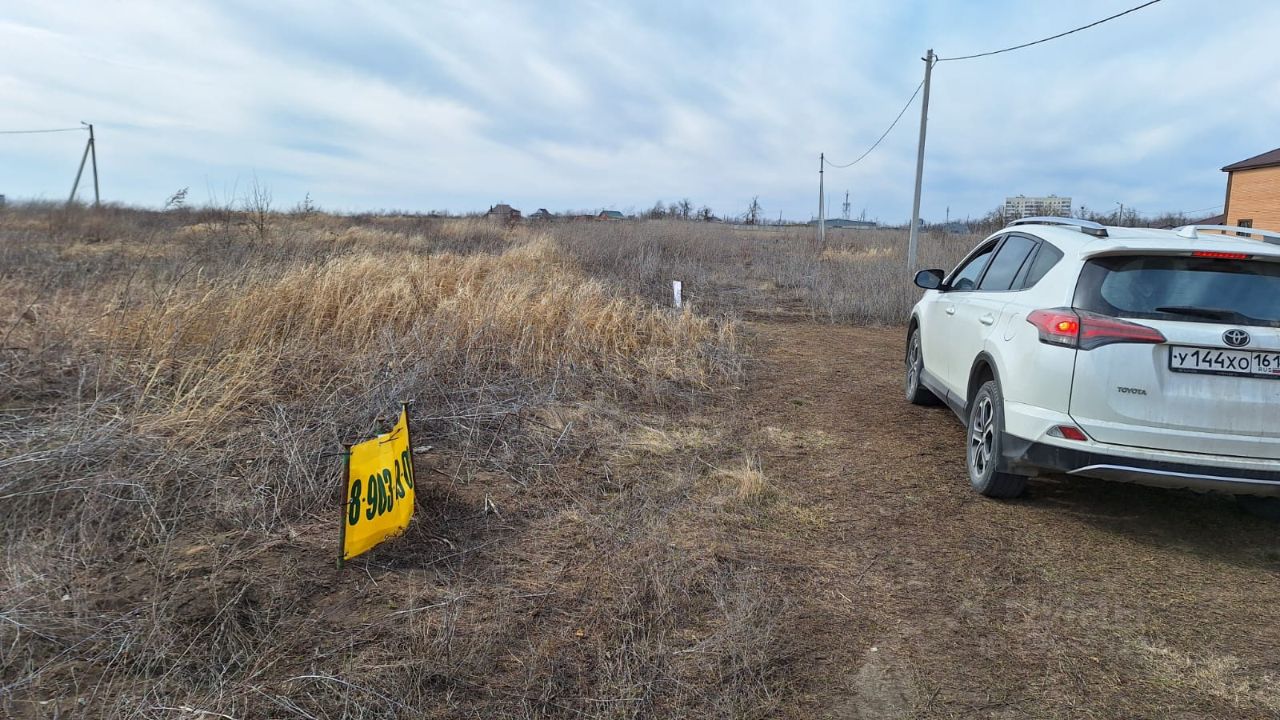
{"x": 1052, "y": 37}
{"x": 883, "y": 136}
{"x": 1192, "y": 212}
{"x": 30, "y": 132}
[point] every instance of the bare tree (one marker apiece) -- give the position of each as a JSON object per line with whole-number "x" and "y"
{"x": 177, "y": 201}
{"x": 305, "y": 207}
{"x": 257, "y": 206}
{"x": 754, "y": 210}
{"x": 684, "y": 208}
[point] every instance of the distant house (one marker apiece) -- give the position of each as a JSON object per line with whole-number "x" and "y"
{"x": 542, "y": 214}
{"x": 1253, "y": 192}
{"x": 955, "y": 228}
{"x": 503, "y": 212}
{"x": 610, "y": 215}
{"x": 1218, "y": 219}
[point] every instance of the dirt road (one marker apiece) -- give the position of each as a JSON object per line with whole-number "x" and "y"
{"x": 919, "y": 598}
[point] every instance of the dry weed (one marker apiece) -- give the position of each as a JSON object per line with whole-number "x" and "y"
{"x": 1219, "y": 676}
{"x": 167, "y": 423}
{"x": 859, "y": 276}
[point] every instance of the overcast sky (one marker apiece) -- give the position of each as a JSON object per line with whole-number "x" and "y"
{"x": 458, "y": 105}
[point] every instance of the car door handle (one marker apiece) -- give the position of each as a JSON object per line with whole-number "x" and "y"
{"x": 951, "y": 309}
{"x": 987, "y": 319}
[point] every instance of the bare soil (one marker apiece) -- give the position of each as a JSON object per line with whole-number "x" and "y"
{"x": 919, "y": 598}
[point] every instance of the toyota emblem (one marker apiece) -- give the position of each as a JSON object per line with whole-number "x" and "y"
{"x": 1235, "y": 337}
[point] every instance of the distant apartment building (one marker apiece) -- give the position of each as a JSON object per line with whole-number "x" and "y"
{"x": 1022, "y": 206}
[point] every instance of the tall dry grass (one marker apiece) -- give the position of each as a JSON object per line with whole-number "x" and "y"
{"x": 175, "y": 388}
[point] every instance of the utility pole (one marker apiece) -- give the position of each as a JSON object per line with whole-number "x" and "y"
{"x": 76, "y": 185}
{"x": 913, "y": 242}
{"x": 93, "y": 154}
{"x": 89, "y": 152}
{"x": 822, "y": 208}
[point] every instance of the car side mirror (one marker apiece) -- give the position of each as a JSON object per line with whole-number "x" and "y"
{"x": 929, "y": 279}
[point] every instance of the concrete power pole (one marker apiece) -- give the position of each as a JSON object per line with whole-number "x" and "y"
{"x": 822, "y": 208}
{"x": 90, "y": 151}
{"x": 93, "y": 155}
{"x": 914, "y": 241}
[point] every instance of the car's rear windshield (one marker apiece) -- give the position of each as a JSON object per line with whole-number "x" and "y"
{"x": 1241, "y": 292}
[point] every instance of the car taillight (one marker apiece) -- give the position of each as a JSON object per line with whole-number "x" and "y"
{"x": 1057, "y": 327}
{"x": 1085, "y": 330}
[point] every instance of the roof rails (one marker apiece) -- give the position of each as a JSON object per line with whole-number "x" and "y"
{"x": 1087, "y": 227}
{"x": 1193, "y": 231}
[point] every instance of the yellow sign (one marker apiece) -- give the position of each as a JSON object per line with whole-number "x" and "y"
{"x": 379, "y": 490}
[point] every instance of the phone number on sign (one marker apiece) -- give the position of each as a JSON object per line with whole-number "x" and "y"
{"x": 381, "y": 490}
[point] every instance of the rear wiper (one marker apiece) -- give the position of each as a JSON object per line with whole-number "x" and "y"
{"x": 1204, "y": 312}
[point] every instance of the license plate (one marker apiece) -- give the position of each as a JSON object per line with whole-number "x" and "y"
{"x": 1217, "y": 361}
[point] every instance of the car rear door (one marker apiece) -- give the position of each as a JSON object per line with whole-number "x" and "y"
{"x": 1213, "y": 386}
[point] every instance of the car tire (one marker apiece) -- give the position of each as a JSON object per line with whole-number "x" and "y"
{"x": 984, "y": 444}
{"x": 917, "y": 393}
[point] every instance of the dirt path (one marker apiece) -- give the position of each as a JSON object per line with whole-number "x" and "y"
{"x": 918, "y": 598}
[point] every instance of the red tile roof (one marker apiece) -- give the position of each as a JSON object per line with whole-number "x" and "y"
{"x": 1266, "y": 159}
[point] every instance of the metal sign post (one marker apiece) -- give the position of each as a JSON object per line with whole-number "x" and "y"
{"x": 344, "y": 502}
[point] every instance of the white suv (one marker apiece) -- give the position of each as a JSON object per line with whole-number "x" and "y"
{"x": 1149, "y": 356}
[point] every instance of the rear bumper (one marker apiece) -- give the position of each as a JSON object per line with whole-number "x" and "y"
{"x": 1027, "y": 457}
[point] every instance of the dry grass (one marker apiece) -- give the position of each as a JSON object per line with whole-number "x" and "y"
{"x": 1223, "y": 677}
{"x": 859, "y": 276}
{"x": 746, "y": 480}
{"x": 175, "y": 385}
{"x": 174, "y": 388}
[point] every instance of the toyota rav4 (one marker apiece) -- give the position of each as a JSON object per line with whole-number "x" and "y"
{"x": 1140, "y": 355}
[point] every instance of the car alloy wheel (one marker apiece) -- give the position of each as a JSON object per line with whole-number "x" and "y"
{"x": 913, "y": 364}
{"x": 982, "y": 437}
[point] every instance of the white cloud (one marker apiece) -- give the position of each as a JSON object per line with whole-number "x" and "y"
{"x": 586, "y": 105}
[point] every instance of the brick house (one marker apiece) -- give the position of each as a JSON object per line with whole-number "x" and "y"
{"x": 503, "y": 212}
{"x": 1253, "y": 192}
